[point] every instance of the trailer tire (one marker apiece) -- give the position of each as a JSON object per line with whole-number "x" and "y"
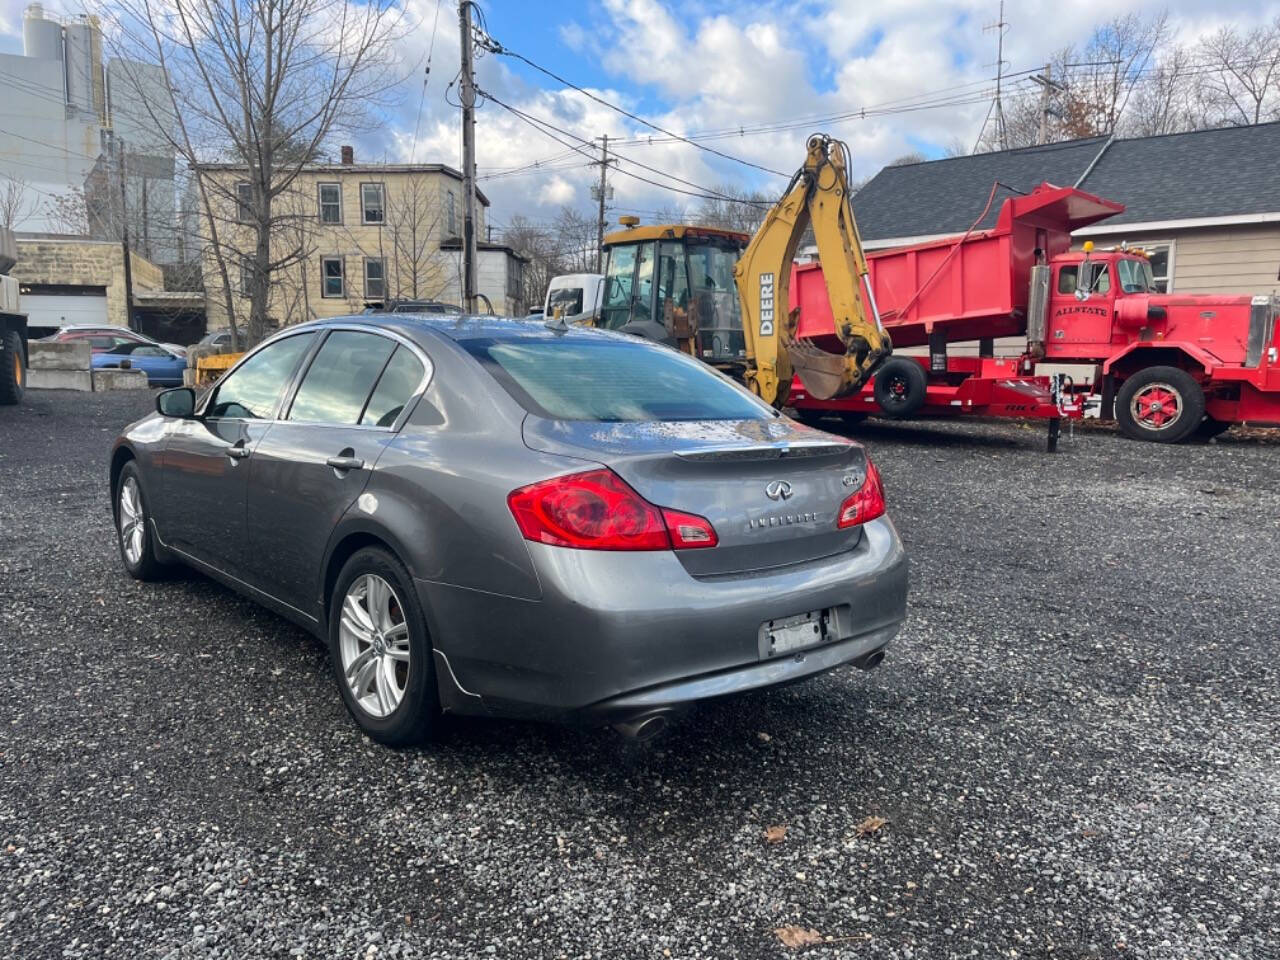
{"x": 13, "y": 371}
{"x": 1144, "y": 399}
{"x": 900, "y": 387}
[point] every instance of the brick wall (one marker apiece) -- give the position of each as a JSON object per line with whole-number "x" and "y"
{"x": 89, "y": 263}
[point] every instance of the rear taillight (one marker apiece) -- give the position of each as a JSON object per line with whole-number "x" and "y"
{"x": 689, "y": 531}
{"x": 866, "y": 504}
{"x": 598, "y": 511}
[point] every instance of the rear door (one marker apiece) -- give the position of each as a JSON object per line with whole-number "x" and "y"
{"x": 312, "y": 465}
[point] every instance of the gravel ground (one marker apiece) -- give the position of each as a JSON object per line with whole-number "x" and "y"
{"x": 1073, "y": 745}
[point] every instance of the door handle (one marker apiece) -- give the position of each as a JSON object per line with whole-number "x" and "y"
{"x": 345, "y": 463}
{"x": 238, "y": 452}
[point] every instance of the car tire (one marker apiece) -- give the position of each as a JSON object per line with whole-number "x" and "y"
{"x": 13, "y": 372}
{"x": 1143, "y": 405}
{"x": 900, "y": 387}
{"x": 381, "y": 653}
{"x": 134, "y": 532}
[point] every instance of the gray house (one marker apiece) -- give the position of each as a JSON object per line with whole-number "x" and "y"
{"x": 1206, "y": 204}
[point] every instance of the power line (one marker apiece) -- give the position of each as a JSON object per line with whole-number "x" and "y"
{"x": 422, "y": 99}
{"x": 705, "y": 193}
{"x": 498, "y": 48}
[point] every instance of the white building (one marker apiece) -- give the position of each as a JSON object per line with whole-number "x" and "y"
{"x": 62, "y": 112}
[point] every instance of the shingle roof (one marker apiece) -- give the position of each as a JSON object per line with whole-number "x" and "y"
{"x": 1204, "y": 173}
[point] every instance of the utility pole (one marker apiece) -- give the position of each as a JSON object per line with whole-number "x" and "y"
{"x": 604, "y": 170}
{"x": 999, "y": 27}
{"x": 1047, "y": 87}
{"x": 124, "y": 238}
{"x": 467, "y": 95}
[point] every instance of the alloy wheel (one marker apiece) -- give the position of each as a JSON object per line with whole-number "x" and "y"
{"x": 373, "y": 640}
{"x": 132, "y": 521}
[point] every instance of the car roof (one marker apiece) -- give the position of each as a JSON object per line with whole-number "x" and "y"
{"x": 108, "y": 327}
{"x": 460, "y": 328}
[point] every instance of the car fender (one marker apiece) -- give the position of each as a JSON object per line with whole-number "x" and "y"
{"x": 1155, "y": 353}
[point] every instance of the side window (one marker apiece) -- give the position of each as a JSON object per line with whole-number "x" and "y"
{"x": 371, "y": 202}
{"x": 330, "y": 203}
{"x": 398, "y": 383}
{"x": 244, "y": 201}
{"x": 1099, "y": 277}
{"x": 340, "y": 378}
{"x": 642, "y": 306}
{"x": 375, "y": 278}
{"x": 616, "y": 309}
{"x": 250, "y": 392}
{"x": 331, "y": 277}
{"x": 102, "y": 343}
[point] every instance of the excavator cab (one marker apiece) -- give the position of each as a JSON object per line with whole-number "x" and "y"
{"x": 675, "y": 284}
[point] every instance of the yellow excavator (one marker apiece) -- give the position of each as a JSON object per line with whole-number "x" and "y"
{"x": 723, "y": 296}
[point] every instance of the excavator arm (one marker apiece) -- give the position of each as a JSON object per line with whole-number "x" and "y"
{"x": 819, "y": 195}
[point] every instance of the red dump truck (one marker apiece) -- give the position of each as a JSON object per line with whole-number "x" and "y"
{"x": 1166, "y": 366}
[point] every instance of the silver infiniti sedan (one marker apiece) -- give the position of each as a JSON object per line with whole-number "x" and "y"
{"x": 493, "y": 517}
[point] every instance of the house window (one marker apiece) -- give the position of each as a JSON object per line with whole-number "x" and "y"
{"x": 332, "y": 277}
{"x": 453, "y": 214}
{"x": 371, "y": 208}
{"x": 244, "y": 201}
{"x": 375, "y": 278}
{"x": 330, "y": 203}
{"x": 1161, "y": 255}
{"x": 246, "y": 277}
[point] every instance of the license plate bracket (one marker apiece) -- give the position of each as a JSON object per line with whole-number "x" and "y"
{"x": 785, "y": 635}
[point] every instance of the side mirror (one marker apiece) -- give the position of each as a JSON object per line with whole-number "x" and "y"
{"x": 177, "y": 402}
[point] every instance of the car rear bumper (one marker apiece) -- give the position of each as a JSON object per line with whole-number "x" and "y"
{"x": 618, "y": 634}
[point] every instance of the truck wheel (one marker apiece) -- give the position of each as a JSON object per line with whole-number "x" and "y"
{"x": 1160, "y": 404}
{"x": 899, "y": 387}
{"x": 13, "y": 373}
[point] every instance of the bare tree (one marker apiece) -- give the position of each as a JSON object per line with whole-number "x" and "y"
{"x": 575, "y": 236}
{"x": 1162, "y": 100}
{"x": 68, "y": 213}
{"x": 262, "y": 84}
{"x": 540, "y": 245}
{"x": 735, "y": 209}
{"x": 414, "y": 229}
{"x": 18, "y": 202}
{"x": 1243, "y": 86}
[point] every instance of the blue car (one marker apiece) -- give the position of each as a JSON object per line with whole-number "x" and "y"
{"x": 162, "y": 367}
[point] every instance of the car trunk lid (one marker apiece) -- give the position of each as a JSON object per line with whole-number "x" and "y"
{"x": 771, "y": 488}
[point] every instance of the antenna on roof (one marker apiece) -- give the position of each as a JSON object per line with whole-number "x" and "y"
{"x": 1000, "y": 26}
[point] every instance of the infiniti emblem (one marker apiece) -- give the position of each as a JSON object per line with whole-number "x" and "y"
{"x": 778, "y": 490}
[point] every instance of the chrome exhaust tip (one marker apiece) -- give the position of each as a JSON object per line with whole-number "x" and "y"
{"x": 643, "y": 728}
{"x": 870, "y": 661}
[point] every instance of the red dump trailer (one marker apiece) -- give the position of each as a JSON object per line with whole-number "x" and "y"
{"x": 1165, "y": 365}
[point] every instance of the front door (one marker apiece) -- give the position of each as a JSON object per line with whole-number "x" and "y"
{"x": 312, "y": 465}
{"x": 1073, "y": 322}
{"x": 206, "y": 461}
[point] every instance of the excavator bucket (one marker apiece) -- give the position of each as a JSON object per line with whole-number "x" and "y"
{"x": 828, "y": 375}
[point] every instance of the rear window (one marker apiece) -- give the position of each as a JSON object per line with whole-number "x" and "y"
{"x": 612, "y": 380}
